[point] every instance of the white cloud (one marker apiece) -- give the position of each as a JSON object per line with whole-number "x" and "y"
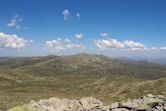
{"x": 115, "y": 44}
{"x": 56, "y": 45}
{"x": 61, "y": 45}
{"x": 132, "y": 44}
{"x": 78, "y": 15}
{"x": 12, "y": 41}
{"x": 124, "y": 45}
{"x": 67, "y": 40}
{"x": 66, "y": 14}
{"x": 163, "y": 48}
{"x": 78, "y": 36}
{"x": 75, "y": 46}
{"x": 153, "y": 48}
{"x": 104, "y": 34}
{"x": 15, "y": 22}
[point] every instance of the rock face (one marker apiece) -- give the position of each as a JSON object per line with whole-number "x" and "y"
{"x": 145, "y": 103}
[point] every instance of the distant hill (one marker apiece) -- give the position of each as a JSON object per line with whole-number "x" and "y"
{"x": 84, "y": 64}
{"x": 4, "y": 58}
{"x": 160, "y": 61}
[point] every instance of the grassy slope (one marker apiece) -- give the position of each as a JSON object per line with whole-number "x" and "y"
{"x": 25, "y": 79}
{"x": 105, "y": 89}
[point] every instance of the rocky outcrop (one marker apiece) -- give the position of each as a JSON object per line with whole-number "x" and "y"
{"x": 145, "y": 103}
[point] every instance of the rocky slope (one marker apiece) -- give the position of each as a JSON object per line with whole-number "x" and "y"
{"x": 145, "y": 103}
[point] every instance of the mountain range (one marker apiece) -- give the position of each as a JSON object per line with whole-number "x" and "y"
{"x": 32, "y": 78}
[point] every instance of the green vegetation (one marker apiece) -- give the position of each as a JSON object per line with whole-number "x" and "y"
{"x": 109, "y": 80}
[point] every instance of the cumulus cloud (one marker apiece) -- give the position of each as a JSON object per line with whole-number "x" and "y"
{"x": 15, "y": 22}
{"x": 61, "y": 45}
{"x": 66, "y": 14}
{"x": 103, "y": 44}
{"x": 104, "y": 34}
{"x": 12, "y": 41}
{"x": 115, "y": 44}
{"x": 78, "y": 36}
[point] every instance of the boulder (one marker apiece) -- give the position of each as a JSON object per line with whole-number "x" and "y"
{"x": 91, "y": 103}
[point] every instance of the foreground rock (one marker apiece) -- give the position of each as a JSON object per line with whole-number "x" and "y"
{"x": 145, "y": 103}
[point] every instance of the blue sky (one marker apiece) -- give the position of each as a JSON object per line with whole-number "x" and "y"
{"x": 130, "y": 28}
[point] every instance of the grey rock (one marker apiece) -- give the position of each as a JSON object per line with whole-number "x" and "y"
{"x": 146, "y": 103}
{"x": 120, "y": 109}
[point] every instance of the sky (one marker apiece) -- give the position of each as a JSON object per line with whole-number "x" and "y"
{"x": 116, "y": 28}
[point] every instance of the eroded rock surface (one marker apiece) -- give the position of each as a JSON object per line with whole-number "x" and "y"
{"x": 145, "y": 103}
